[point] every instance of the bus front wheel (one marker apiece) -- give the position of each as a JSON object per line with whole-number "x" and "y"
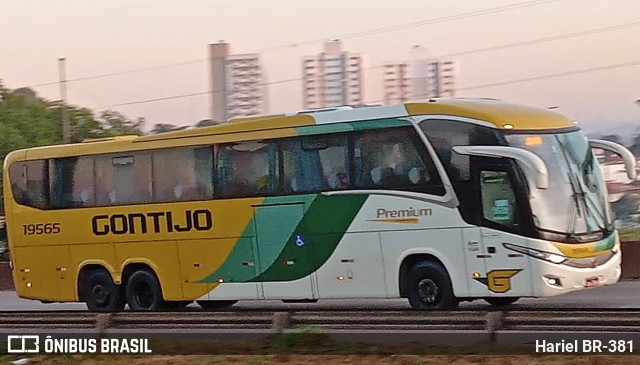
{"x": 100, "y": 293}
{"x": 143, "y": 291}
{"x": 429, "y": 287}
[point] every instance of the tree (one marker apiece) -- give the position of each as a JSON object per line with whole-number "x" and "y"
{"x": 29, "y": 121}
{"x": 27, "y": 93}
{"x": 84, "y": 125}
{"x": 114, "y": 123}
{"x": 613, "y": 138}
{"x": 25, "y": 122}
{"x": 207, "y": 123}
{"x": 626, "y": 206}
{"x": 163, "y": 128}
{"x": 635, "y": 145}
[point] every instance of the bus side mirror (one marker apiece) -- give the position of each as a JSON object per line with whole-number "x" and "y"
{"x": 620, "y": 150}
{"x": 534, "y": 164}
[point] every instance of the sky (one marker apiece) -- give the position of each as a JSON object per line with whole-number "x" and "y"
{"x": 109, "y": 36}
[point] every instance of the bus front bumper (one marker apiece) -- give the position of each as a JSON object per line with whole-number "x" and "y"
{"x": 554, "y": 279}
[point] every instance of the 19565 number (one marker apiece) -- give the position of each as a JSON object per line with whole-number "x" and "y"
{"x": 41, "y": 228}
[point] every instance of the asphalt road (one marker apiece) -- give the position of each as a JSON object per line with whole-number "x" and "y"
{"x": 622, "y": 295}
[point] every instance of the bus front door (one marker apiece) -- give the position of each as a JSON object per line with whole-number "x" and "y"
{"x": 280, "y": 257}
{"x": 474, "y": 258}
{"x": 507, "y": 272}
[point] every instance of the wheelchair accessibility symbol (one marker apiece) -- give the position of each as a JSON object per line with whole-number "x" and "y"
{"x": 299, "y": 241}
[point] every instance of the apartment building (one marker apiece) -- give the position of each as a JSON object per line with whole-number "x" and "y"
{"x": 238, "y": 83}
{"x": 333, "y": 78}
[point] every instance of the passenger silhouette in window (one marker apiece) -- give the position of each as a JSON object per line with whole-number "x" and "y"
{"x": 338, "y": 181}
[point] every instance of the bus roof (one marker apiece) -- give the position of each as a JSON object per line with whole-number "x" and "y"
{"x": 501, "y": 114}
{"x": 496, "y": 112}
{"x": 126, "y": 137}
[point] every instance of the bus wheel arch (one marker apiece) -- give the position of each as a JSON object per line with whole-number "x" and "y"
{"x": 98, "y": 290}
{"x": 408, "y": 263}
{"x": 425, "y": 273}
{"x": 142, "y": 288}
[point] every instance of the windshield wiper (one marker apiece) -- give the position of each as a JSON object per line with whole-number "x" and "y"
{"x": 589, "y": 205}
{"x": 552, "y": 235}
{"x": 579, "y": 194}
{"x": 596, "y": 206}
{"x": 575, "y": 211}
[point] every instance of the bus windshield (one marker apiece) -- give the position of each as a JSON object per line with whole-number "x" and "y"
{"x": 575, "y": 205}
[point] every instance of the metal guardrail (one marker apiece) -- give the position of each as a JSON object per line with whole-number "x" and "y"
{"x": 278, "y": 322}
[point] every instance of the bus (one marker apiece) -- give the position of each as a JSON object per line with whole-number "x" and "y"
{"x": 438, "y": 202}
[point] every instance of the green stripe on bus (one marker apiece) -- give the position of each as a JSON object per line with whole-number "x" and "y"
{"x": 315, "y": 238}
{"x": 379, "y": 123}
{"x": 247, "y": 260}
{"x": 351, "y": 126}
{"x": 275, "y": 222}
{"x": 607, "y": 243}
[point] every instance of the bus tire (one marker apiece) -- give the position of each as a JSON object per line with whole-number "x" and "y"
{"x": 143, "y": 291}
{"x": 429, "y": 287}
{"x": 216, "y": 304}
{"x": 501, "y": 301}
{"x": 100, "y": 293}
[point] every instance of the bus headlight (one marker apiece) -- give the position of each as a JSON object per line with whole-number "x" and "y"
{"x": 556, "y": 259}
{"x": 542, "y": 255}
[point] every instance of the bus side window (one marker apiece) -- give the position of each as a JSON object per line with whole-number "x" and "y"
{"x": 72, "y": 182}
{"x": 123, "y": 179}
{"x": 18, "y": 177}
{"x": 314, "y": 163}
{"x": 290, "y": 153}
{"x": 329, "y": 161}
{"x": 203, "y": 165}
{"x": 225, "y": 171}
{"x": 182, "y": 174}
{"x": 29, "y": 183}
{"x": 310, "y": 176}
{"x": 245, "y": 169}
{"x": 445, "y": 134}
{"x": 395, "y": 159}
{"x": 457, "y": 166}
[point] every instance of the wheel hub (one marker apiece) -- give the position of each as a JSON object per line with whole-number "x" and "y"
{"x": 100, "y": 294}
{"x": 428, "y": 291}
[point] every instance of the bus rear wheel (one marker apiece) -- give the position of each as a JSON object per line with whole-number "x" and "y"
{"x": 216, "y": 304}
{"x": 100, "y": 293}
{"x": 501, "y": 301}
{"x": 429, "y": 287}
{"x": 143, "y": 291}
